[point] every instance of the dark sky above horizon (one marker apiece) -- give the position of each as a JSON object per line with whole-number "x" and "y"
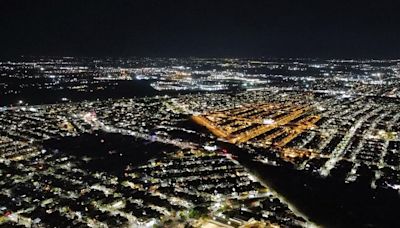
{"x": 203, "y": 28}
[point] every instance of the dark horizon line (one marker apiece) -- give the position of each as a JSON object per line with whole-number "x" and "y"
{"x": 10, "y": 57}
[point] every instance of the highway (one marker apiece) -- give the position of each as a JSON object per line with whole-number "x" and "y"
{"x": 98, "y": 125}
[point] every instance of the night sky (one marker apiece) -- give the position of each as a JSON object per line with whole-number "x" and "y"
{"x": 202, "y": 28}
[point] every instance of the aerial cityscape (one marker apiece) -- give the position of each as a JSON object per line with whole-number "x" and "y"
{"x": 199, "y": 114}
{"x": 185, "y": 150}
